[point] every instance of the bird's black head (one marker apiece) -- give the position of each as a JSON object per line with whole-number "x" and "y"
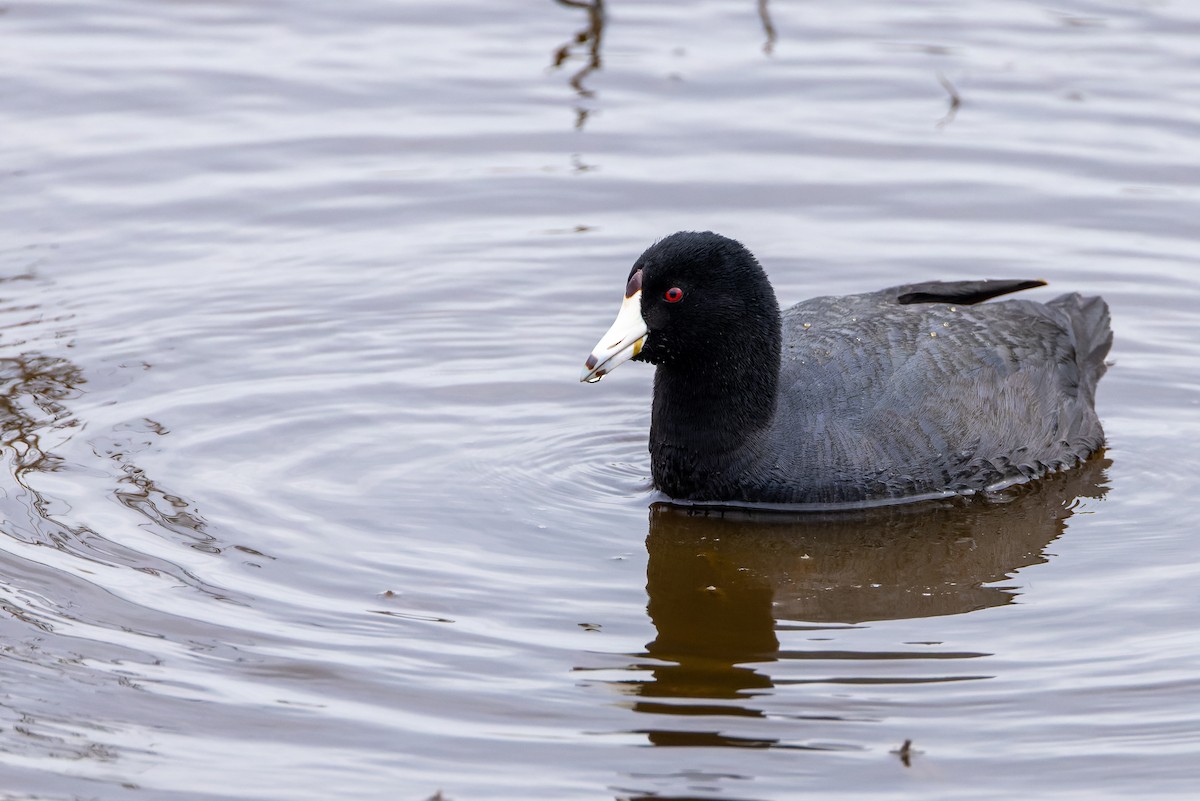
{"x": 699, "y": 306}
{"x": 704, "y": 299}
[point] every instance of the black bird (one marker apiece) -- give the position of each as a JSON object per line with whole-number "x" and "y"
{"x": 901, "y": 394}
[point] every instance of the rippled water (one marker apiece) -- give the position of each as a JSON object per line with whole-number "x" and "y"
{"x": 302, "y": 498}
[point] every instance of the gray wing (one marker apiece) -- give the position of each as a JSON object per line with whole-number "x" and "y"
{"x": 880, "y": 397}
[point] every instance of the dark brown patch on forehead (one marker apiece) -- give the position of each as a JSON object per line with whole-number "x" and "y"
{"x": 635, "y": 283}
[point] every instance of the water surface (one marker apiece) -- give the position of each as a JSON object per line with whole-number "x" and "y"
{"x": 302, "y": 498}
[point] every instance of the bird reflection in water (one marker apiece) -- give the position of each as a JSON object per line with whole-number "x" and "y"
{"x": 719, "y": 582}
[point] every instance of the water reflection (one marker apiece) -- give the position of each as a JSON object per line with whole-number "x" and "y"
{"x": 33, "y": 389}
{"x": 955, "y": 101}
{"x": 719, "y": 582}
{"x": 588, "y": 37}
{"x": 137, "y": 491}
{"x": 44, "y": 496}
{"x": 764, "y": 16}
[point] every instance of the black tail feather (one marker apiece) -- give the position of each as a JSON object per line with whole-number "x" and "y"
{"x": 964, "y": 293}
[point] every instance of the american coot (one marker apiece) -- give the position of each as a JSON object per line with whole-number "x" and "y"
{"x": 904, "y": 393}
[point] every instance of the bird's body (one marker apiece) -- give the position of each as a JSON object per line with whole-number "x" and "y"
{"x": 902, "y": 393}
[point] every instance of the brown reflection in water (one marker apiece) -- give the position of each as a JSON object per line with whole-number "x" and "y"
{"x": 590, "y": 37}
{"x": 139, "y": 492}
{"x": 34, "y": 389}
{"x": 764, "y": 14}
{"x": 719, "y": 581}
{"x": 35, "y": 417}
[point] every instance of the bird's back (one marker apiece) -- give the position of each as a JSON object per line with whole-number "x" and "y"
{"x": 904, "y": 392}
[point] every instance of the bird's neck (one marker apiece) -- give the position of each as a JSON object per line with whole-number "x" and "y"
{"x": 706, "y": 419}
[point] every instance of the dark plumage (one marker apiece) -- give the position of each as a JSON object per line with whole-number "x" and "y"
{"x": 901, "y": 393}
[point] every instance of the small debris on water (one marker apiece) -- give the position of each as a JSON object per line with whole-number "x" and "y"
{"x": 906, "y": 753}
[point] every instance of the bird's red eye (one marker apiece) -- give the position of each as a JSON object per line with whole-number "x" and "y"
{"x": 673, "y": 295}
